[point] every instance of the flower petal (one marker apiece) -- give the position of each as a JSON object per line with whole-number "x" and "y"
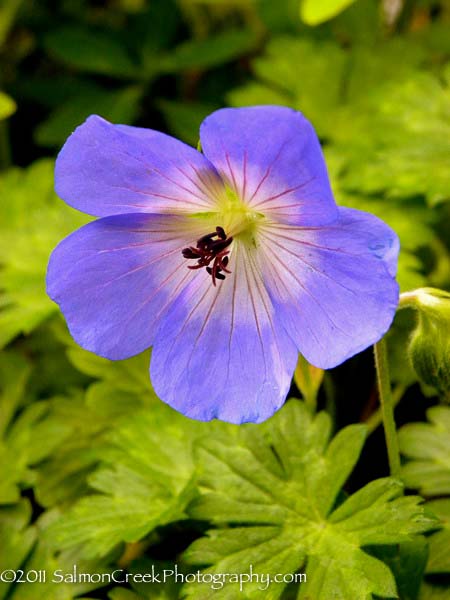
{"x": 220, "y": 353}
{"x": 106, "y": 169}
{"x": 114, "y": 279}
{"x": 333, "y": 286}
{"x": 271, "y": 157}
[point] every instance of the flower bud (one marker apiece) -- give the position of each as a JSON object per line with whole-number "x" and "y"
{"x": 429, "y": 348}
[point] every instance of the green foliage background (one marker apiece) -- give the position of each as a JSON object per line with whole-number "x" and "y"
{"x": 95, "y": 470}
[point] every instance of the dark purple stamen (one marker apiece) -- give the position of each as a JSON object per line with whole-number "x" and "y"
{"x": 221, "y": 233}
{"x": 190, "y": 253}
{"x": 211, "y": 250}
{"x": 220, "y": 244}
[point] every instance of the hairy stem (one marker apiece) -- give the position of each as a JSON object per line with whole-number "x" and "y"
{"x": 387, "y": 407}
{"x": 376, "y": 419}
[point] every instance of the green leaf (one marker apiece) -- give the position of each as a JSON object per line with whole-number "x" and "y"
{"x": 8, "y": 11}
{"x": 272, "y": 494}
{"x": 60, "y": 581}
{"x": 61, "y": 478}
{"x": 184, "y": 118}
{"x": 407, "y": 561}
{"x": 32, "y": 222}
{"x": 386, "y": 119}
{"x": 211, "y": 52}
{"x": 314, "y": 12}
{"x": 168, "y": 589}
{"x": 91, "y": 51}
{"x": 292, "y": 72}
{"x": 434, "y": 591}
{"x": 25, "y": 437}
{"x": 14, "y": 374}
{"x": 130, "y": 375}
{"x": 123, "y": 594}
{"x": 118, "y": 106}
{"x": 145, "y": 481}
{"x": 17, "y": 539}
{"x": 7, "y": 106}
{"x": 407, "y": 145}
{"x": 88, "y": 418}
{"x": 427, "y": 446}
{"x": 439, "y": 560}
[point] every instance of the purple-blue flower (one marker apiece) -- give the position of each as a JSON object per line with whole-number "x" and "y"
{"x": 228, "y": 261}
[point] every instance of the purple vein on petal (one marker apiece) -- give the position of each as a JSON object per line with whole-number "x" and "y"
{"x": 268, "y": 170}
{"x": 205, "y": 322}
{"x": 233, "y": 306}
{"x": 285, "y": 192}
{"x": 277, "y": 277}
{"x": 207, "y": 184}
{"x": 188, "y": 318}
{"x": 300, "y": 258}
{"x": 310, "y": 244}
{"x": 153, "y": 169}
{"x": 255, "y": 313}
{"x": 269, "y": 313}
{"x": 235, "y": 185}
{"x": 147, "y": 194}
{"x": 134, "y": 270}
{"x": 305, "y": 242}
{"x": 141, "y": 244}
{"x": 203, "y": 190}
{"x": 156, "y": 291}
{"x": 244, "y": 180}
{"x": 177, "y": 184}
{"x": 305, "y": 289}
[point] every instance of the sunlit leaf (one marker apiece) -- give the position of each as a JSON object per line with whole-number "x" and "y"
{"x": 62, "y": 581}
{"x": 439, "y": 561}
{"x": 427, "y": 446}
{"x": 17, "y": 425}
{"x": 273, "y": 495}
{"x": 88, "y": 417}
{"x": 409, "y": 150}
{"x": 314, "y": 12}
{"x": 146, "y": 480}
{"x": 17, "y": 540}
{"x": 33, "y": 220}
{"x": 387, "y": 119}
{"x": 7, "y": 106}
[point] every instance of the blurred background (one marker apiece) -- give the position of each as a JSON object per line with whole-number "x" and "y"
{"x": 79, "y": 436}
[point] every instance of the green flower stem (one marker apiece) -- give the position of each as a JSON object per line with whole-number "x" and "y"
{"x": 376, "y": 418}
{"x": 387, "y": 407}
{"x": 311, "y": 402}
{"x": 309, "y": 393}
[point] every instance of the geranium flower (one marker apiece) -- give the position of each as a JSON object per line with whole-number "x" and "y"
{"x": 227, "y": 261}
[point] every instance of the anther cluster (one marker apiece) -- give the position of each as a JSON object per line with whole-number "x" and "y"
{"x": 212, "y": 247}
